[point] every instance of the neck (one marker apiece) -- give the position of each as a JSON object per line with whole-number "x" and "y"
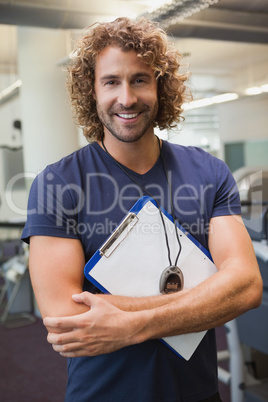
{"x": 139, "y": 156}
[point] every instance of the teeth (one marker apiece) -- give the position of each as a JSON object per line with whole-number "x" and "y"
{"x": 128, "y": 116}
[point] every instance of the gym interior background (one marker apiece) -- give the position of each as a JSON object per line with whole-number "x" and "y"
{"x": 224, "y": 44}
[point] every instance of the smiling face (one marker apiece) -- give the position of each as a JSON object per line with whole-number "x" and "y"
{"x": 126, "y": 94}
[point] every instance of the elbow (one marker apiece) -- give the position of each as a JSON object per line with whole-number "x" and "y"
{"x": 258, "y": 299}
{"x": 256, "y": 291}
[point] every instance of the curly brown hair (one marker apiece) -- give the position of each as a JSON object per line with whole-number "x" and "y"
{"x": 152, "y": 45}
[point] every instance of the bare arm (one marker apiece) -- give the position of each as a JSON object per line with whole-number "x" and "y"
{"x": 57, "y": 271}
{"x": 236, "y": 288}
{"x": 233, "y": 291}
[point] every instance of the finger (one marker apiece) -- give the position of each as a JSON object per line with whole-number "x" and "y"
{"x": 85, "y": 297}
{"x": 77, "y": 349}
{"x": 77, "y": 353}
{"x": 69, "y": 348}
{"x": 62, "y": 339}
{"x": 58, "y": 330}
{"x": 78, "y": 297}
{"x": 59, "y": 323}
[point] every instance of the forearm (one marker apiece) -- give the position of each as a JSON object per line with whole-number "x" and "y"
{"x": 132, "y": 304}
{"x": 216, "y": 301}
{"x": 106, "y": 328}
{"x": 219, "y": 299}
{"x": 114, "y": 322}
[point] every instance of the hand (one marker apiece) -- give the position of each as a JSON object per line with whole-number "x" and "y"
{"x": 102, "y": 329}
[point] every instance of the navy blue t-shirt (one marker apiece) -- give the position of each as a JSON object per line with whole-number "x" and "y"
{"x": 84, "y": 196}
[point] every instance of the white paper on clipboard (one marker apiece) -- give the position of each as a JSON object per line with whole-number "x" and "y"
{"x": 131, "y": 261}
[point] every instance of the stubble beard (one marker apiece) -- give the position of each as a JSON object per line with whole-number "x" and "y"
{"x": 132, "y": 132}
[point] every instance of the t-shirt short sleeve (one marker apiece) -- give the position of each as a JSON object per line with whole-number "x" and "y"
{"x": 51, "y": 204}
{"x": 227, "y": 199}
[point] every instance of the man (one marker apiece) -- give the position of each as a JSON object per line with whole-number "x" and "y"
{"x": 123, "y": 82}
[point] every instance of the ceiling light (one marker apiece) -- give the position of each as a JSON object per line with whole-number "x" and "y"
{"x": 198, "y": 103}
{"x": 253, "y": 91}
{"x": 224, "y": 97}
{"x": 264, "y": 88}
{"x": 211, "y": 101}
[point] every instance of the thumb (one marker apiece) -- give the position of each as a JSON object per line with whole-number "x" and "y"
{"x": 84, "y": 297}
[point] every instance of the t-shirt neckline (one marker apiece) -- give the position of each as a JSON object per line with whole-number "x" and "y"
{"x": 111, "y": 161}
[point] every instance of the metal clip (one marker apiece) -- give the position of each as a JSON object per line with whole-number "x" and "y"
{"x": 119, "y": 235}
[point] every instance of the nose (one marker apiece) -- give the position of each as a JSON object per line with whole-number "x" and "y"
{"x": 127, "y": 96}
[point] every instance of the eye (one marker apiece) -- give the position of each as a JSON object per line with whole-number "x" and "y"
{"x": 110, "y": 82}
{"x": 139, "y": 81}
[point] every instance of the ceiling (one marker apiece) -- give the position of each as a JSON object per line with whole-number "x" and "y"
{"x": 235, "y": 20}
{"x": 224, "y": 45}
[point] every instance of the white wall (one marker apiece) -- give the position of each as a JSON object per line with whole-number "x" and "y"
{"x": 49, "y": 132}
{"x": 245, "y": 119}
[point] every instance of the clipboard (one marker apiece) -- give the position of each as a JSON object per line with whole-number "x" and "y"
{"x": 132, "y": 259}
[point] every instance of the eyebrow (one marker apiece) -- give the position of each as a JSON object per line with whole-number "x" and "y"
{"x": 108, "y": 77}
{"x": 115, "y": 76}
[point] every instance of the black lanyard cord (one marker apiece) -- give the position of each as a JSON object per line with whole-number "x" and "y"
{"x": 171, "y": 203}
{"x": 157, "y": 203}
